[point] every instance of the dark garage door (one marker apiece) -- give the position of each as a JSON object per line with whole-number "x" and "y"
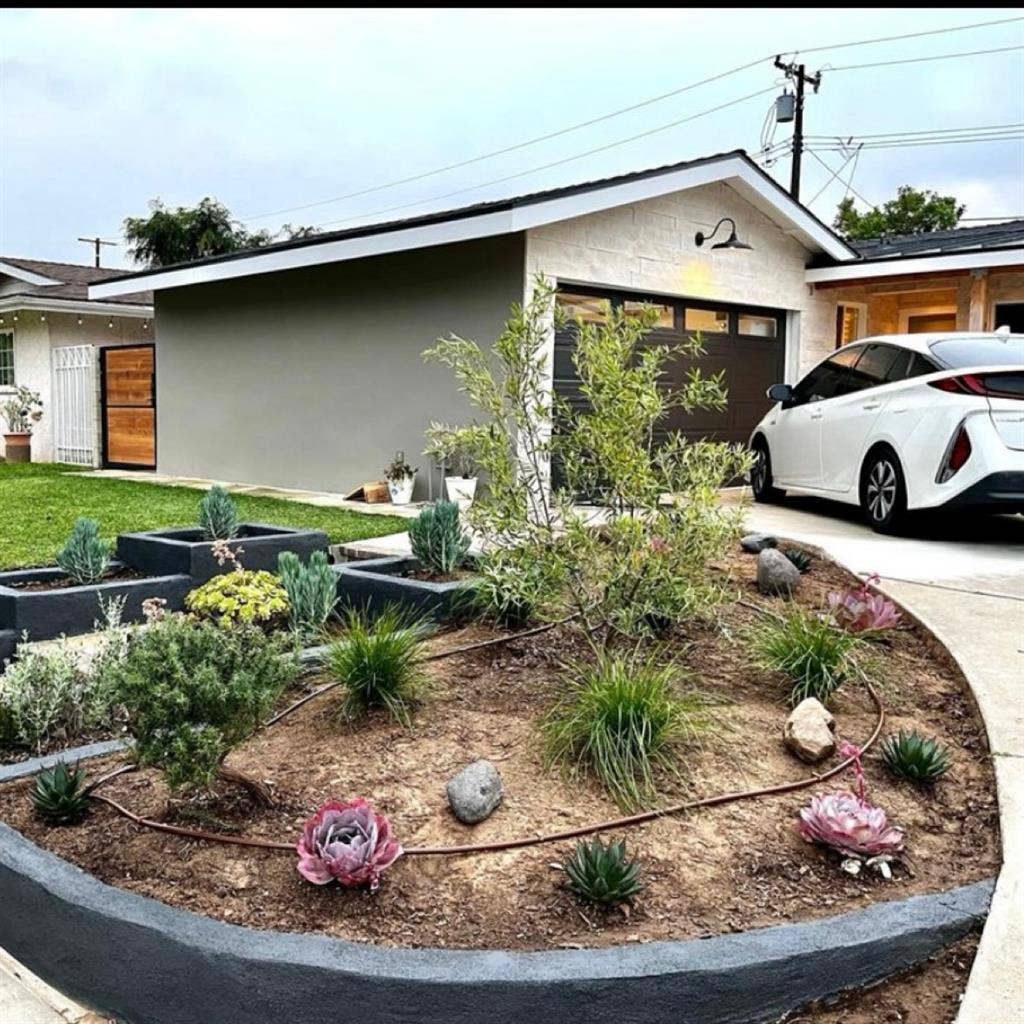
{"x": 746, "y": 342}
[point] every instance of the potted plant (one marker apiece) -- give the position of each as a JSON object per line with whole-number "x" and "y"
{"x": 400, "y": 477}
{"x": 451, "y": 449}
{"x": 20, "y": 411}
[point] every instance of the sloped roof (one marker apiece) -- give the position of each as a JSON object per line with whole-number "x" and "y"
{"x": 503, "y": 216}
{"x": 984, "y": 236}
{"x": 72, "y": 281}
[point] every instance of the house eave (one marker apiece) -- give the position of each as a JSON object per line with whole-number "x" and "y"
{"x": 27, "y": 276}
{"x": 906, "y": 266}
{"x": 82, "y": 307}
{"x": 735, "y": 170}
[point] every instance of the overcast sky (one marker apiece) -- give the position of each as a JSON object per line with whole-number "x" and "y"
{"x": 101, "y": 111}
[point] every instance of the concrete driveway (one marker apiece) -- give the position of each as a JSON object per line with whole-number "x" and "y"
{"x": 965, "y": 581}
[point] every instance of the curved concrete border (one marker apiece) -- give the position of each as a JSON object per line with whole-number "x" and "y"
{"x": 133, "y": 957}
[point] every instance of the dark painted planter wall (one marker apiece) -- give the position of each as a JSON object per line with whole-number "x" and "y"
{"x": 147, "y": 963}
{"x": 377, "y": 582}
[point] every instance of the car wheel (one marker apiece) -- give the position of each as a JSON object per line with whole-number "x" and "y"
{"x": 883, "y": 492}
{"x": 761, "y": 475}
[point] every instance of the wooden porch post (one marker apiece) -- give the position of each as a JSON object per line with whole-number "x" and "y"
{"x": 978, "y": 310}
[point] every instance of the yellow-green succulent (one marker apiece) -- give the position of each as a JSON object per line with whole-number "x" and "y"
{"x": 243, "y": 596}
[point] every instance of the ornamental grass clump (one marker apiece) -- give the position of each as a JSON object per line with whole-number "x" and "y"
{"x": 624, "y": 722}
{"x": 347, "y": 841}
{"x": 218, "y": 515}
{"x": 312, "y": 591}
{"x": 84, "y": 557}
{"x": 810, "y": 649}
{"x": 437, "y": 539}
{"x": 917, "y": 758}
{"x": 603, "y": 874}
{"x": 193, "y": 692}
{"x": 379, "y": 663}
{"x": 59, "y": 795}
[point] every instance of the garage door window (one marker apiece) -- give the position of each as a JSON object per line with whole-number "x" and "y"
{"x": 758, "y": 326}
{"x": 588, "y": 308}
{"x": 666, "y": 314}
{"x": 707, "y": 321}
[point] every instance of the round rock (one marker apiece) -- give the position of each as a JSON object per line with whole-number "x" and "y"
{"x": 475, "y": 792}
{"x": 777, "y": 576}
{"x": 755, "y": 543}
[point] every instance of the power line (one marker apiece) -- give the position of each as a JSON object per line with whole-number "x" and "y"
{"x": 616, "y": 113}
{"x": 835, "y": 174}
{"x": 921, "y": 60}
{"x": 554, "y": 163}
{"x": 915, "y": 143}
{"x": 848, "y": 183}
{"x": 922, "y": 131}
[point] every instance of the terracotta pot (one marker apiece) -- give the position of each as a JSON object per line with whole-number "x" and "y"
{"x": 18, "y": 447}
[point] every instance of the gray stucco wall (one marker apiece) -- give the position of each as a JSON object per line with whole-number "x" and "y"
{"x": 314, "y": 378}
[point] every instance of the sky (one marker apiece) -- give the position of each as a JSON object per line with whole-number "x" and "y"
{"x": 102, "y": 111}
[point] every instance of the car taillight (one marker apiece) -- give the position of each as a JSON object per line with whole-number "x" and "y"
{"x": 958, "y": 451}
{"x": 987, "y": 385}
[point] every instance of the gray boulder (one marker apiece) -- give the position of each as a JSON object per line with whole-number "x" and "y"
{"x": 776, "y": 574}
{"x": 810, "y": 731}
{"x": 755, "y": 543}
{"x": 475, "y": 792}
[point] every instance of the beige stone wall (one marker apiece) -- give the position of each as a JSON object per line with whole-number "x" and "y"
{"x": 34, "y": 340}
{"x": 649, "y": 247}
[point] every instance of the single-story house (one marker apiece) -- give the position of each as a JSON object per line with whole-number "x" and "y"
{"x": 299, "y": 364}
{"x": 90, "y": 360}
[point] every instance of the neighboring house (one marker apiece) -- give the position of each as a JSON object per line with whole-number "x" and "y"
{"x": 55, "y": 340}
{"x": 964, "y": 279}
{"x": 300, "y": 365}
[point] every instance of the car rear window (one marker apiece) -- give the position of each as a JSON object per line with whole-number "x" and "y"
{"x": 989, "y": 350}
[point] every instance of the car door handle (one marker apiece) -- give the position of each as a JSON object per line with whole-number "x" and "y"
{"x": 816, "y": 415}
{"x": 871, "y": 405}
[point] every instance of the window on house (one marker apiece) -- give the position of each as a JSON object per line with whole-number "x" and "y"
{"x": 851, "y": 322}
{"x": 7, "y": 360}
{"x": 707, "y": 321}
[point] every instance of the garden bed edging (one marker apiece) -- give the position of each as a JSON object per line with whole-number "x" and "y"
{"x": 374, "y": 583}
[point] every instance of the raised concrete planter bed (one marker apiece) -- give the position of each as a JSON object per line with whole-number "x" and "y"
{"x": 44, "y": 614}
{"x": 147, "y": 963}
{"x": 185, "y": 551}
{"x": 375, "y": 583}
{"x": 8, "y": 642}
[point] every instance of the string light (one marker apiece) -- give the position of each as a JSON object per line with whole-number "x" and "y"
{"x": 110, "y": 324}
{"x": 145, "y": 325}
{"x": 15, "y": 317}
{"x": 42, "y": 318}
{"x": 79, "y": 321}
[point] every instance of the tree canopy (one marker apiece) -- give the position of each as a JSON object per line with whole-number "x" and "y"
{"x": 169, "y": 236}
{"x": 911, "y": 212}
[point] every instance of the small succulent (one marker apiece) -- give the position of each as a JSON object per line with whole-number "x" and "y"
{"x": 602, "y": 874}
{"x": 800, "y": 559}
{"x": 218, "y": 515}
{"x": 851, "y": 826}
{"x": 349, "y": 842}
{"x": 58, "y": 794}
{"x": 917, "y": 758}
{"x": 85, "y": 557}
{"x": 861, "y": 610}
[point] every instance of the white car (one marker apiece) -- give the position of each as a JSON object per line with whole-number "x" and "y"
{"x": 898, "y": 423}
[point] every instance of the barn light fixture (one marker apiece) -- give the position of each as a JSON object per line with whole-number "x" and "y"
{"x": 732, "y": 242}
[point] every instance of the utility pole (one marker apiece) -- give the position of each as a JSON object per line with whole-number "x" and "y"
{"x": 96, "y": 243}
{"x": 798, "y": 74}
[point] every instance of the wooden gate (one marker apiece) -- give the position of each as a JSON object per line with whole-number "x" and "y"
{"x": 129, "y": 406}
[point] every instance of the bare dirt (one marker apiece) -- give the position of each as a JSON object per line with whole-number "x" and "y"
{"x": 64, "y": 582}
{"x": 734, "y": 867}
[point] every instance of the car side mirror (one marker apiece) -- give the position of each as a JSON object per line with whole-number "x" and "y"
{"x": 780, "y": 392}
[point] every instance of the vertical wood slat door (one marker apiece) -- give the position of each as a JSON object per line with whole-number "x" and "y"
{"x": 129, "y": 407}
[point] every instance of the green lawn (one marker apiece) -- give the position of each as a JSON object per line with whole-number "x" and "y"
{"x": 40, "y": 502}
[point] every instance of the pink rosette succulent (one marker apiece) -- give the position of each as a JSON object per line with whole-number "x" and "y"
{"x": 347, "y": 841}
{"x": 850, "y": 826}
{"x": 861, "y": 610}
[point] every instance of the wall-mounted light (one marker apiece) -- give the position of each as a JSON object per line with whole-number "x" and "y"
{"x": 732, "y": 242}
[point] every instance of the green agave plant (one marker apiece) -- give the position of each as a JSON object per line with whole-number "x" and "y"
{"x": 800, "y": 559}
{"x": 909, "y": 755}
{"x": 58, "y": 794}
{"x": 601, "y": 873}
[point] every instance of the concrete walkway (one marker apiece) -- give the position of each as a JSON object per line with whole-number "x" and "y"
{"x": 25, "y": 999}
{"x": 966, "y": 583}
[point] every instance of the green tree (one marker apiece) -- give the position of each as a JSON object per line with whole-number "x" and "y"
{"x": 169, "y": 236}
{"x": 912, "y": 212}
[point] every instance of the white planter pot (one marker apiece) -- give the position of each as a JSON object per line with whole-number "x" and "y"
{"x": 401, "y": 490}
{"x": 461, "y": 490}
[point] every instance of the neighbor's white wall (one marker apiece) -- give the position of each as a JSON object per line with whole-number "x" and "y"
{"x": 34, "y": 340}
{"x": 649, "y": 247}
